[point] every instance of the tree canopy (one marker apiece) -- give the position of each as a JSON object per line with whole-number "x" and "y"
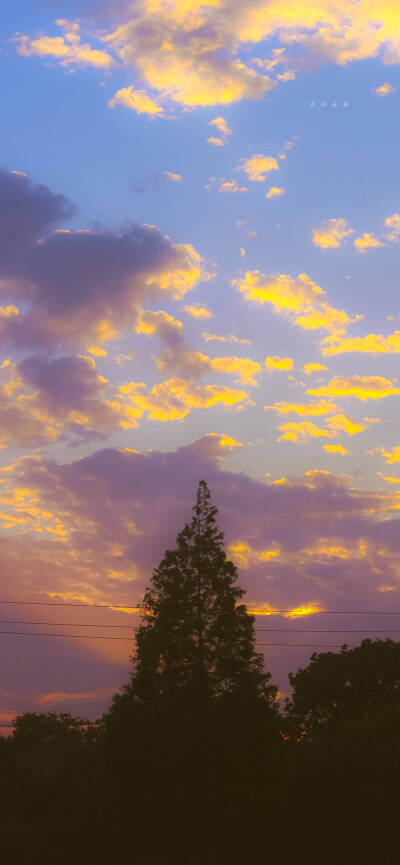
{"x": 195, "y": 637}
{"x": 351, "y": 684}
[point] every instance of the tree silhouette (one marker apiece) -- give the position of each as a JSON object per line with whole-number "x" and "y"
{"x": 196, "y": 641}
{"x": 353, "y": 684}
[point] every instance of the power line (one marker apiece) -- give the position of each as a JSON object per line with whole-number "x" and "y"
{"x": 123, "y": 606}
{"x": 70, "y": 604}
{"x": 127, "y": 639}
{"x": 66, "y": 624}
{"x": 265, "y": 630}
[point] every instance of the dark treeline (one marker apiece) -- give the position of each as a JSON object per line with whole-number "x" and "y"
{"x": 194, "y": 764}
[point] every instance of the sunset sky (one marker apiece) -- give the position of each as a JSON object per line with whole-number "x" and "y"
{"x": 199, "y": 254}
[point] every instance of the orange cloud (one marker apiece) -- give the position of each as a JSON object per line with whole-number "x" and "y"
{"x": 275, "y": 192}
{"x": 393, "y": 222}
{"x": 67, "y": 49}
{"x": 331, "y": 234}
{"x": 137, "y": 100}
{"x": 302, "y": 300}
{"x": 313, "y": 367}
{"x": 305, "y": 610}
{"x": 392, "y": 456}
{"x": 231, "y": 337}
{"x": 197, "y": 310}
{"x": 223, "y": 185}
{"x": 371, "y": 343}
{"x": 225, "y": 131}
{"x": 302, "y": 431}
{"x": 343, "y": 423}
{"x": 336, "y": 449}
{"x": 359, "y": 387}
{"x": 257, "y": 167}
{"x": 305, "y": 409}
{"x": 367, "y": 241}
{"x": 281, "y": 363}
{"x": 175, "y": 398}
{"x": 384, "y": 89}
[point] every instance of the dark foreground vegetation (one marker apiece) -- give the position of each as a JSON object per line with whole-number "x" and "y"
{"x": 194, "y": 764}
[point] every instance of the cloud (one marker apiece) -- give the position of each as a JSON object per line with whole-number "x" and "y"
{"x": 313, "y": 367}
{"x": 301, "y": 300}
{"x": 245, "y": 368}
{"x": 357, "y": 386}
{"x": 371, "y": 343}
{"x": 389, "y": 479}
{"x": 67, "y": 49}
{"x": 275, "y": 192}
{"x": 392, "y": 456}
{"x": 80, "y": 287}
{"x": 367, "y": 241}
{"x": 384, "y": 89}
{"x": 321, "y": 407}
{"x": 343, "y": 423}
{"x": 224, "y": 129}
{"x": 137, "y": 100}
{"x": 216, "y": 142}
{"x": 231, "y": 337}
{"x": 190, "y": 54}
{"x": 27, "y": 211}
{"x": 257, "y": 167}
{"x": 197, "y": 310}
{"x": 295, "y": 431}
{"x": 169, "y": 175}
{"x": 393, "y": 222}
{"x": 119, "y": 510}
{"x": 331, "y": 234}
{"x": 336, "y": 449}
{"x": 223, "y": 185}
{"x": 175, "y": 398}
{"x": 221, "y": 124}
{"x": 282, "y": 363}
{"x": 60, "y": 399}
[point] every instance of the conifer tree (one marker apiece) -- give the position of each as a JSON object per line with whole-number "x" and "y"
{"x": 196, "y": 640}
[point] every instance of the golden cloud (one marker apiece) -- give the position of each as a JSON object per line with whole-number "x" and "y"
{"x": 190, "y": 51}
{"x": 257, "y": 167}
{"x": 331, "y": 234}
{"x": 245, "y": 368}
{"x": 367, "y": 241}
{"x": 313, "y": 367}
{"x": 221, "y": 124}
{"x": 343, "y": 423}
{"x": 305, "y": 409}
{"x": 336, "y": 449}
{"x": 67, "y": 49}
{"x": 175, "y": 398}
{"x": 275, "y": 192}
{"x": 371, "y": 343}
{"x": 384, "y": 89}
{"x": 392, "y": 456}
{"x": 393, "y": 222}
{"x": 302, "y": 431}
{"x": 197, "y": 310}
{"x": 357, "y": 386}
{"x": 137, "y": 100}
{"x": 302, "y": 300}
{"x": 231, "y": 337}
{"x": 282, "y": 363}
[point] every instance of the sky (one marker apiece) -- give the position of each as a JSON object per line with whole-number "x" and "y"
{"x": 199, "y": 258}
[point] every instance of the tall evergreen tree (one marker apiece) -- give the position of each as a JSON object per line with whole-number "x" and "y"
{"x": 195, "y": 638}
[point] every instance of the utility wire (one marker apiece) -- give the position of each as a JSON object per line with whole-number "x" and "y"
{"x": 122, "y": 607}
{"x": 127, "y": 639}
{"x": 265, "y": 630}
